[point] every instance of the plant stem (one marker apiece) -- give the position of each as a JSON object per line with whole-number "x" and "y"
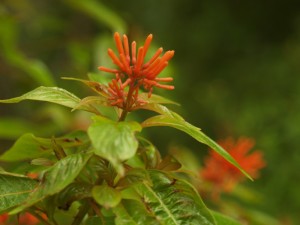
{"x": 97, "y": 210}
{"x": 58, "y": 150}
{"x": 81, "y": 213}
{"x": 123, "y": 115}
{"x": 127, "y": 104}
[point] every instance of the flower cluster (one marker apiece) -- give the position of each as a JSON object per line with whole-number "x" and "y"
{"x": 132, "y": 72}
{"x": 223, "y": 175}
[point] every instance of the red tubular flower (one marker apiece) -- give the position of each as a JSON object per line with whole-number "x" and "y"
{"x": 134, "y": 71}
{"x": 29, "y": 219}
{"x": 224, "y": 175}
{"x": 3, "y": 218}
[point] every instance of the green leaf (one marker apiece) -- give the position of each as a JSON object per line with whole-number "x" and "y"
{"x": 106, "y": 196}
{"x": 73, "y": 192}
{"x": 148, "y": 153}
{"x": 57, "y": 178}
{"x": 155, "y": 99}
{"x": 17, "y": 127}
{"x": 224, "y": 220}
{"x": 100, "y": 13}
{"x": 94, "y": 220}
{"x": 132, "y": 212}
{"x": 14, "y": 190}
{"x": 29, "y": 146}
{"x": 26, "y": 147}
{"x": 50, "y": 94}
{"x": 95, "y": 86}
{"x": 172, "y": 119}
{"x": 114, "y": 141}
{"x": 173, "y": 201}
{"x": 34, "y": 68}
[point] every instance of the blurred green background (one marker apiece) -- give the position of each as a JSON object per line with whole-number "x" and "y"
{"x": 236, "y": 71}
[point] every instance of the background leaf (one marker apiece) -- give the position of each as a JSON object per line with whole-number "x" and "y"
{"x": 34, "y": 68}
{"x": 114, "y": 141}
{"x": 100, "y": 13}
{"x": 14, "y": 190}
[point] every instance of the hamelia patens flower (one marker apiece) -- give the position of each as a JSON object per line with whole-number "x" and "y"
{"x": 133, "y": 72}
{"x": 223, "y": 175}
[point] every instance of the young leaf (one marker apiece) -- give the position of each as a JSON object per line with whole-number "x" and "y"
{"x": 50, "y": 94}
{"x": 106, "y": 196}
{"x": 14, "y": 190}
{"x": 114, "y": 141}
{"x": 172, "y": 119}
{"x": 173, "y": 201}
{"x": 57, "y": 178}
{"x": 148, "y": 153}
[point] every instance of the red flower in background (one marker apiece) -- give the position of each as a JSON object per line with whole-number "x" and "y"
{"x": 222, "y": 174}
{"x": 23, "y": 219}
{"x": 3, "y": 218}
{"x": 133, "y": 72}
{"x": 28, "y": 219}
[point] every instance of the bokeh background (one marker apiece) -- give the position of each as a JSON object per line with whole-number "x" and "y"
{"x": 236, "y": 70}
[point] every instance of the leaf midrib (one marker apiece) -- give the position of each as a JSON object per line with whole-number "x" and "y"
{"x": 162, "y": 204}
{"x": 15, "y": 193}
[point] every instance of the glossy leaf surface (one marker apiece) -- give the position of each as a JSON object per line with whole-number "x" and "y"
{"x": 49, "y": 94}
{"x": 114, "y": 141}
{"x": 57, "y": 178}
{"x": 172, "y": 201}
{"x": 14, "y": 190}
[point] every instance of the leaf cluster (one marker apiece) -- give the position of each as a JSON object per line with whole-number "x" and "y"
{"x": 107, "y": 174}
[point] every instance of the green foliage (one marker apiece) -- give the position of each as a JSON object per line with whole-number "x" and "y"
{"x": 172, "y": 119}
{"x": 14, "y": 190}
{"x": 121, "y": 175}
{"x": 107, "y": 173}
{"x": 59, "y": 176}
{"x": 36, "y": 69}
{"x": 113, "y": 141}
{"x": 172, "y": 201}
{"x": 48, "y": 94}
{"x": 224, "y": 220}
{"x": 106, "y": 196}
{"x": 30, "y": 147}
